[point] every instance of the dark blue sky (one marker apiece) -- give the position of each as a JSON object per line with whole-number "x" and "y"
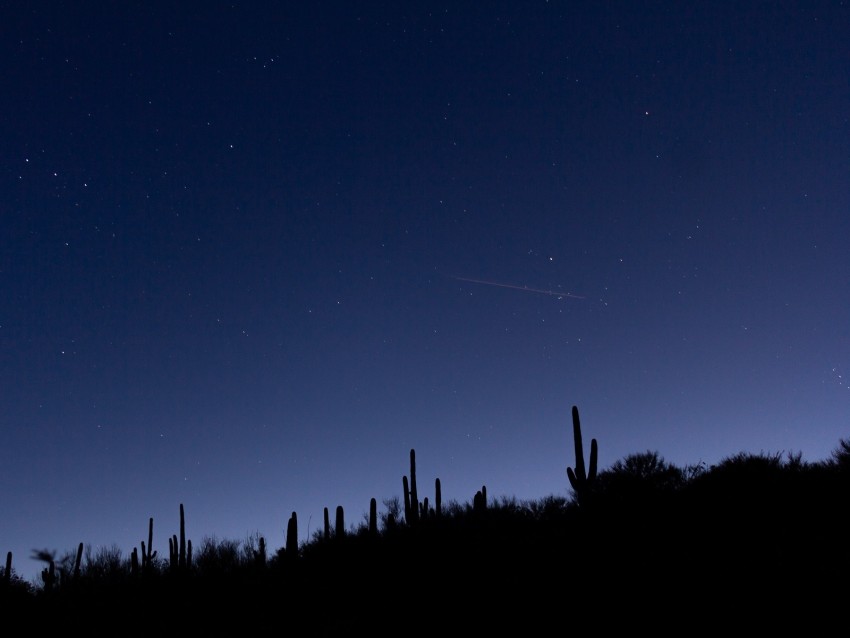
{"x": 238, "y": 238}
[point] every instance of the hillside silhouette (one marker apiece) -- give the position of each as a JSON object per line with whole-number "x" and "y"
{"x": 755, "y": 539}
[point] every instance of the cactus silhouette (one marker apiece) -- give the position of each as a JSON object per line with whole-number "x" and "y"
{"x": 438, "y": 498}
{"x": 147, "y": 552}
{"x": 172, "y": 552}
{"x": 582, "y": 479}
{"x": 48, "y": 576}
{"x": 479, "y": 501}
{"x": 327, "y": 535}
{"x": 261, "y": 553}
{"x": 373, "y": 517}
{"x": 292, "y": 536}
{"x": 182, "y": 559}
{"x": 7, "y": 575}
{"x": 77, "y": 561}
{"x": 414, "y": 496}
{"x": 340, "y": 522}
{"x": 406, "y": 487}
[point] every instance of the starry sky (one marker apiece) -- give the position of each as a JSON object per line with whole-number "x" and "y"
{"x": 252, "y": 253}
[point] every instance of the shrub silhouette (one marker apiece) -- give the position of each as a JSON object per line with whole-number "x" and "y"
{"x": 215, "y": 556}
{"x": 639, "y": 480}
{"x": 840, "y": 458}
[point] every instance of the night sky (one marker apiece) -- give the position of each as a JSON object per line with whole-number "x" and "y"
{"x": 252, "y": 253}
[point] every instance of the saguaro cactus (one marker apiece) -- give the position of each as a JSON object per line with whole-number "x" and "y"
{"x": 147, "y": 552}
{"x": 7, "y": 575}
{"x": 182, "y": 559}
{"x": 48, "y": 576}
{"x": 438, "y": 498}
{"x": 582, "y": 479}
{"x": 173, "y": 552}
{"x": 414, "y": 496}
{"x": 292, "y": 536}
{"x": 373, "y": 517}
{"x": 340, "y": 522}
{"x": 479, "y": 501}
{"x": 327, "y": 525}
{"x": 261, "y": 553}
{"x": 77, "y": 560}
{"x": 406, "y": 487}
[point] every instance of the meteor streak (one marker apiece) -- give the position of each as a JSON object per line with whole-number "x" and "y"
{"x": 552, "y": 293}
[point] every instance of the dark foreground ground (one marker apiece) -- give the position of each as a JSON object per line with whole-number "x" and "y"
{"x": 624, "y": 571}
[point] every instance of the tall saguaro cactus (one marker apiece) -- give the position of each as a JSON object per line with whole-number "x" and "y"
{"x": 147, "y": 552}
{"x": 479, "y": 501}
{"x": 77, "y": 560}
{"x": 48, "y": 576}
{"x": 172, "y": 553}
{"x": 582, "y": 479}
{"x": 414, "y": 496}
{"x": 182, "y": 559}
{"x": 292, "y": 536}
{"x": 327, "y": 525}
{"x": 261, "y": 553}
{"x": 373, "y": 517}
{"x": 7, "y": 575}
{"x": 340, "y": 522}
{"x": 406, "y": 487}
